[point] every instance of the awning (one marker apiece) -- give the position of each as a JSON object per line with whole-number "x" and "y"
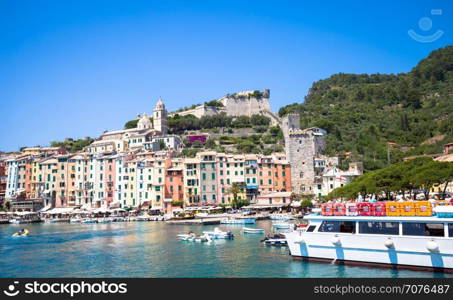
{"x": 24, "y": 213}
{"x": 60, "y": 210}
{"x": 86, "y": 206}
{"x": 266, "y": 205}
{"x": 45, "y": 208}
{"x": 295, "y": 204}
{"x": 156, "y": 208}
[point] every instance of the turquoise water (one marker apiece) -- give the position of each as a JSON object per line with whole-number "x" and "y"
{"x": 150, "y": 249}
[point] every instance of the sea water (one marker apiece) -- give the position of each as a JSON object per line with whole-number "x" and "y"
{"x": 151, "y": 249}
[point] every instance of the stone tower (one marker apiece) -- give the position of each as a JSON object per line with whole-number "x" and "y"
{"x": 160, "y": 117}
{"x": 302, "y": 147}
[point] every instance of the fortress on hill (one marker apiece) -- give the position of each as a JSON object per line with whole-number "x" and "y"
{"x": 245, "y": 103}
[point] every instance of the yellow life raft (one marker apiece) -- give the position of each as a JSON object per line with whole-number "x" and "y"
{"x": 25, "y": 232}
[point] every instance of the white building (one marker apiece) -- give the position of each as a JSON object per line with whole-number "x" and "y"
{"x": 12, "y": 182}
{"x": 335, "y": 177}
{"x": 134, "y": 138}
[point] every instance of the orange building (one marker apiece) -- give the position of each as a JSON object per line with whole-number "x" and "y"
{"x": 274, "y": 175}
{"x": 174, "y": 188}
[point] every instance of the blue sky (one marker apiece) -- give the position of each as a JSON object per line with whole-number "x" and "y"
{"x": 77, "y": 68}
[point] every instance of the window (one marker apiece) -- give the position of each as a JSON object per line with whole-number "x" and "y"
{"x": 379, "y": 227}
{"x": 311, "y": 228}
{"x": 450, "y": 229}
{"x": 337, "y": 226}
{"x": 423, "y": 229}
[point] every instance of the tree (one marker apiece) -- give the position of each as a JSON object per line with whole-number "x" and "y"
{"x": 234, "y": 189}
{"x": 306, "y": 204}
{"x": 131, "y": 124}
{"x": 162, "y": 145}
{"x": 7, "y": 205}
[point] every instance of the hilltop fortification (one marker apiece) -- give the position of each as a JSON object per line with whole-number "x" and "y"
{"x": 246, "y": 103}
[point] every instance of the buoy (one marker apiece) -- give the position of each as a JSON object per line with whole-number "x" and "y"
{"x": 336, "y": 241}
{"x": 389, "y": 243}
{"x": 432, "y": 246}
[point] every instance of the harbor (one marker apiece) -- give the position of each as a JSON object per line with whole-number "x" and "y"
{"x": 151, "y": 249}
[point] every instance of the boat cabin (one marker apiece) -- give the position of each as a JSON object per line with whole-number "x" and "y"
{"x": 398, "y": 226}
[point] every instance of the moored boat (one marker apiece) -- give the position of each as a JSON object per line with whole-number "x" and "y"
{"x": 88, "y": 221}
{"x": 282, "y": 225}
{"x": 218, "y": 234}
{"x": 281, "y": 217}
{"x": 238, "y": 221}
{"x": 277, "y": 239}
{"x": 410, "y": 242}
{"x": 192, "y": 237}
{"x": 252, "y": 230}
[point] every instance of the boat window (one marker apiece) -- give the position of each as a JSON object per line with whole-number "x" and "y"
{"x": 423, "y": 229}
{"x": 450, "y": 229}
{"x": 379, "y": 227}
{"x": 337, "y": 226}
{"x": 311, "y": 228}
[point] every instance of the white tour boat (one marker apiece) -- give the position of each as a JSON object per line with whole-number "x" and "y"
{"x": 411, "y": 242}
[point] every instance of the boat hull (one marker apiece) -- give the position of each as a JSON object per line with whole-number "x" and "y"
{"x": 404, "y": 252}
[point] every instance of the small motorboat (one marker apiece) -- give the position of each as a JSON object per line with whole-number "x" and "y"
{"x": 88, "y": 221}
{"x": 218, "y": 234}
{"x": 23, "y": 232}
{"x": 238, "y": 221}
{"x": 104, "y": 220}
{"x": 277, "y": 239}
{"x": 252, "y": 230}
{"x": 281, "y": 217}
{"x": 282, "y": 225}
{"x": 192, "y": 237}
{"x": 75, "y": 220}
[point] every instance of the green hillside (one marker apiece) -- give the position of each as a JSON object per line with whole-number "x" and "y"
{"x": 363, "y": 112}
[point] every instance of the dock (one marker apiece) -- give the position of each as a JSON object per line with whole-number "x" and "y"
{"x": 207, "y": 221}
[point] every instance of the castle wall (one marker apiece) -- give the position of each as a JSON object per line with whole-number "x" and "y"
{"x": 245, "y": 104}
{"x": 239, "y": 104}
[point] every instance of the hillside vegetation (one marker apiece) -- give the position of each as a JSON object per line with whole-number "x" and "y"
{"x": 362, "y": 112}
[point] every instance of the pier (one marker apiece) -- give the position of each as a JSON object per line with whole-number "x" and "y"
{"x": 207, "y": 221}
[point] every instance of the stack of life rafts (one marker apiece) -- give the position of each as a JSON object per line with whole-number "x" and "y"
{"x": 384, "y": 208}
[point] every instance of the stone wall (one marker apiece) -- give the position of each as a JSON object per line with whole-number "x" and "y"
{"x": 246, "y": 103}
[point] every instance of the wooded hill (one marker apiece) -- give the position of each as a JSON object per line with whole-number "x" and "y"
{"x": 363, "y": 112}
